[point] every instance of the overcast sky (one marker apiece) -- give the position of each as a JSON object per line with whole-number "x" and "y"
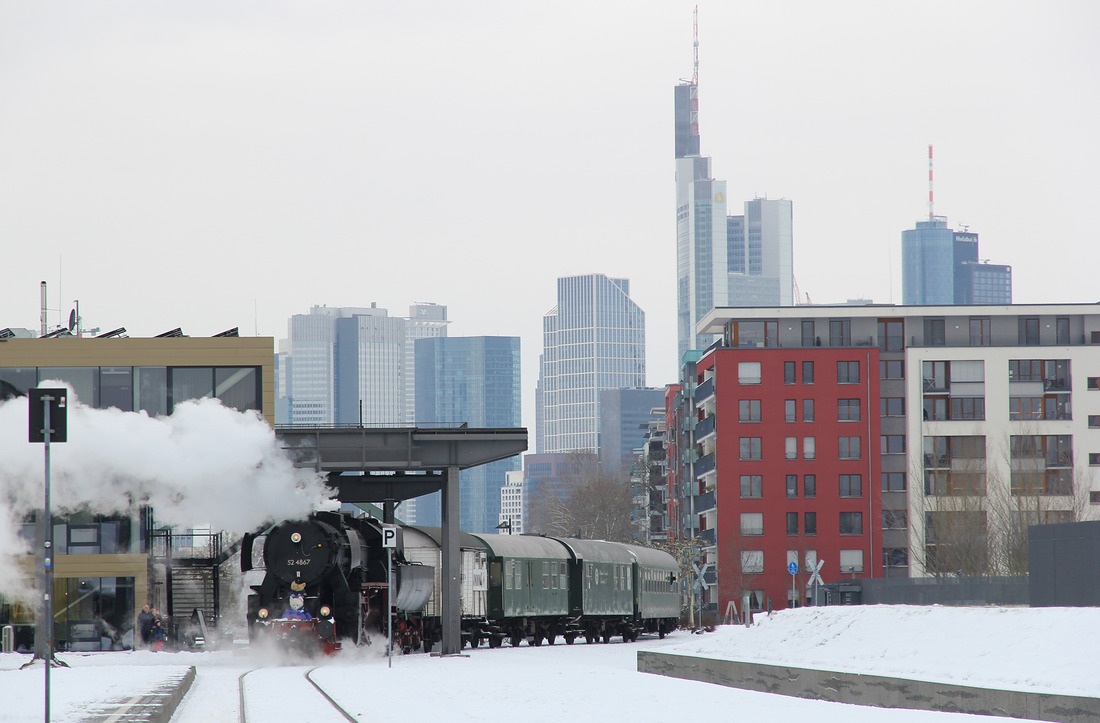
{"x": 219, "y": 164}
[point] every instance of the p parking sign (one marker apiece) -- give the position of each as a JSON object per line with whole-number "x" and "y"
{"x": 389, "y": 536}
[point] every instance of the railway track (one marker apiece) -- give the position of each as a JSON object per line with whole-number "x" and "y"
{"x": 300, "y": 697}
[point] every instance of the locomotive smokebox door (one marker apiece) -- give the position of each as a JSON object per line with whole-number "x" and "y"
{"x": 300, "y": 551}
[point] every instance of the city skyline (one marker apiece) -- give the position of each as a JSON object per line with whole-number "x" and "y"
{"x": 148, "y": 151}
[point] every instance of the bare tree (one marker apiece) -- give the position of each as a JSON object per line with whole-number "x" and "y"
{"x": 592, "y": 504}
{"x": 977, "y": 510}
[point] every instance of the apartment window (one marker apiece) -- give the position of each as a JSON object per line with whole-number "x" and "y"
{"x": 850, "y": 485}
{"x": 808, "y": 332}
{"x": 1061, "y": 325}
{"x": 1094, "y": 421}
{"x": 789, "y": 373}
{"x": 809, "y": 448}
{"x": 847, "y": 372}
{"x": 934, "y": 332}
{"x": 809, "y": 485}
{"x": 894, "y": 520}
{"x": 809, "y": 523}
{"x": 935, "y": 409}
{"x": 893, "y": 444}
{"x": 748, "y": 372}
{"x": 851, "y": 523}
{"x": 750, "y": 447}
{"x": 979, "y": 332}
{"x": 968, "y": 408}
{"x": 752, "y": 485}
{"x": 840, "y": 332}
{"x": 847, "y": 410}
{"x": 790, "y": 448}
{"x": 1028, "y": 330}
{"x": 1094, "y": 459}
{"x": 892, "y": 406}
{"x": 792, "y": 485}
{"x": 851, "y": 561}
{"x": 891, "y": 335}
{"x": 752, "y": 523}
{"x": 792, "y": 523}
{"x": 749, "y": 410}
{"x": 935, "y": 376}
{"x": 893, "y": 481}
{"x": 807, "y": 410}
{"x": 807, "y": 372}
{"x": 893, "y": 369}
{"x": 1093, "y": 383}
{"x": 848, "y": 447}
{"x": 790, "y": 410}
{"x": 752, "y": 561}
{"x": 895, "y": 557}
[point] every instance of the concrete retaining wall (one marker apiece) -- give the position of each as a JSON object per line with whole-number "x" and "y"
{"x": 873, "y": 690}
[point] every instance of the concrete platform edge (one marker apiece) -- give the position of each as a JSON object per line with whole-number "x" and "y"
{"x": 872, "y": 690}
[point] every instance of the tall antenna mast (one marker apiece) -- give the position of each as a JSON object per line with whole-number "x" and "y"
{"x": 930, "y": 211}
{"x": 695, "y": 34}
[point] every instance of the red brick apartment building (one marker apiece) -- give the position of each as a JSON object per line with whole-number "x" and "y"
{"x": 788, "y": 469}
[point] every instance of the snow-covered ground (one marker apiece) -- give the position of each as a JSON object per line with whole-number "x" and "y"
{"x": 1048, "y": 650}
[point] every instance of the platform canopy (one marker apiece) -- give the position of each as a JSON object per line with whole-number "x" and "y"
{"x": 395, "y": 464}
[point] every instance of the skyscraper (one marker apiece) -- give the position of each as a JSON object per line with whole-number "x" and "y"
{"x": 473, "y": 381}
{"x": 761, "y": 254}
{"x": 941, "y": 266}
{"x": 721, "y": 260}
{"x": 702, "y": 277}
{"x": 593, "y": 339}
{"x": 352, "y": 365}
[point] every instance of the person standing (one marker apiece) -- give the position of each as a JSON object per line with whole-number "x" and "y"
{"x": 159, "y": 636}
{"x": 145, "y": 626}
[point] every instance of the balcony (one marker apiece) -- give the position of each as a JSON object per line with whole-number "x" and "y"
{"x": 704, "y": 428}
{"x": 704, "y": 391}
{"x": 704, "y": 465}
{"x": 705, "y": 501}
{"x": 709, "y": 537}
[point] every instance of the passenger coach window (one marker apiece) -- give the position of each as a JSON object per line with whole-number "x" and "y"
{"x": 546, "y": 576}
{"x": 564, "y": 579}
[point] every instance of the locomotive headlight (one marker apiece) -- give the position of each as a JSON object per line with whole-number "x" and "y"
{"x": 262, "y": 614}
{"x": 295, "y": 536}
{"x": 325, "y": 611}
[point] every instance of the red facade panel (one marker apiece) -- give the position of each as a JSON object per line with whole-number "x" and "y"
{"x": 797, "y": 468}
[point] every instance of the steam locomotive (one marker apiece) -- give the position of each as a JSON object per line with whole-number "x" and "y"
{"x": 325, "y": 585}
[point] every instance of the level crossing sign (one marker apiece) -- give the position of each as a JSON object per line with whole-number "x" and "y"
{"x": 815, "y": 575}
{"x": 700, "y": 576}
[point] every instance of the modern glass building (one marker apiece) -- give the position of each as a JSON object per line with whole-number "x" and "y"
{"x": 761, "y": 254}
{"x": 722, "y": 260}
{"x": 624, "y": 419}
{"x": 353, "y": 365}
{"x": 472, "y": 381}
{"x": 941, "y": 266}
{"x": 593, "y": 339}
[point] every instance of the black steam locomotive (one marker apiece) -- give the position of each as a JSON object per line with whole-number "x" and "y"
{"x": 326, "y": 584}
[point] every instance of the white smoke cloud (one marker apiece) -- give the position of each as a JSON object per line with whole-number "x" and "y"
{"x": 205, "y": 464}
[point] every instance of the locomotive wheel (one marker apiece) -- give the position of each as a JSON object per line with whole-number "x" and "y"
{"x": 569, "y": 638}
